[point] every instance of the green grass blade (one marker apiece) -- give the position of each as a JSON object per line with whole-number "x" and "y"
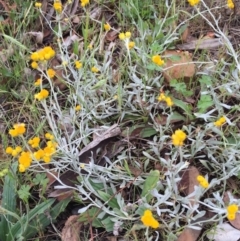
{"x": 16, "y": 230}
{"x": 43, "y": 220}
{"x": 8, "y": 202}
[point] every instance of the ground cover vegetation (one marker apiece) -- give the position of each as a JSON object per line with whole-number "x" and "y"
{"x": 119, "y": 119}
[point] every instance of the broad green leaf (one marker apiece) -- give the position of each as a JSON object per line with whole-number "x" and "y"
{"x": 91, "y": 216}
{"x": 205, "y": 80}
{"x": 99, "y": 186}
{"x": 175, "y": 116}
{"x": 184, "y": 106}
{"x": 204, "y": 103}
{"x": 111, "y": 201}
{"x": 147, "y": 132}
{"x": 150, "y": 183}
{"x": 108, "y": 224}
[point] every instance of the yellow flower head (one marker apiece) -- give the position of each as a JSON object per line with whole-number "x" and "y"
{"x": 230, "y": 4}
{"x": 193, "y": 2}
{"x": 39, "y": 154}
{"x": 94, "y": 69}
{"x": 156, "y": 59}
{"x": 34, "y": 142}
{"x": 38, "y": 4}
{"x": 21, "y": 168}
{"x": 122, "y": 36}
{"x": 84, "y": 2}
{"x": 43, "y": 54}
{"x": 168, "y": 100}
{"x": 231, "y": 216}
{"x": 178, "y": 138}
{"x": 148, "y": 219}
{"x": 78, "y": 108}
{"x": 128, "y": 34}
{"x": 202, "y": 181}
{"x": 18, "y": 129}
{"x": 90, "y": 47}
{"x": 231, "y": 211}
{"x": 52, "y": 144}
{"x": 35, "y": 56}
{"x": 48, "y": 152}
{"x": 161, "y": 97}
{"x": 25, "y": 159}
{"x": 9, "y": 150}
{"x": 48, "y": 52}
{"x": 220, "y": 121}
{"x": 34, "y": 65}
{"x": 107, "y": 26}
{"x": 131, "y": 45}
{"x": 78, "y": 64}
{"x": 43, "y": 94}
{"x": 16, "y": 151}
{"x": 38, "y": 82}
{"x": 233, "y": 208}
{"x": 51, "y": 73}
{"x": 57, "y": 5}
{"x": 49, "y": 136}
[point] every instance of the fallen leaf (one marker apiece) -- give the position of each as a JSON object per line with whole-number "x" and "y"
{"x": 188, "y": 182}
{"x": 85, "y": 153}
{"x": 111, "y": 35}
{"x": 5, "y": 54}
{"x": 189, "y": 234}
{"x": 223, "y": 232}
{"x": 71, "y": 229}
{"x": 185, "y": 35}
{"x": 69, "y": 40}
{"x": 139, "y": 131}
{"x": 178, "y": 65}
{"x": 203, "y": 43}
{"x": 236, "y": 222}
{"x": 62, "y": 194}
{"x": 38, "y": 36}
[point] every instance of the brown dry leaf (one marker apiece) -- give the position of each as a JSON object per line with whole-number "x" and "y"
{"x": 185, "y": 35}
{"x": 188, "y": 181}
{"x": 189, "y": 234}
{"x": 62, "y": 194}
{"x": 203, "y": 43}
{"x": 236, "y": 222}
{"x": 7, "y": 9}
{"x": 5, "y": 54}
{"x": 68, "y": 178}
{"x": 111, "y": 35}
{"x": 38, "y": 36}
{"x": 136, "y": 171}
{"x": 76, "y": 20}
{"x": 51, "y": 178}
{"x": 85, "y": 153}
{"x": 58, "y": 80}
{"x": 71, "y": 230}
{"x": 68, "y": 41}
{"x": 178, "y": 65}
